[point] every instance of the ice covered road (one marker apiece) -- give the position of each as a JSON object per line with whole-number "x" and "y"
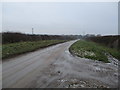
{"x": 56, "y": 67}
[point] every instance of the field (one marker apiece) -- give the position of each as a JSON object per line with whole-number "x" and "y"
{"x": 12, "y": 49}
{"x": 92, "y": 50}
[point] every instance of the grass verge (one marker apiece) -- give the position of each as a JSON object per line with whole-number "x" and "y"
{"x": 9, "y": 50}
{"x": 91, "y": 50}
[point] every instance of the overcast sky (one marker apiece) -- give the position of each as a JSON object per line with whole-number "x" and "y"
{"x": 61, "y": 18}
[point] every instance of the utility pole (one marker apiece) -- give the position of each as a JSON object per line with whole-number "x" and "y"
{"x": 83, "y": 33}
{"x": 32, "y": 31}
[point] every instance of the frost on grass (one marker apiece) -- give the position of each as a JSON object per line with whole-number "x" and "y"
{"x": 83, "y": 53}
{"x": 94, "y": 51}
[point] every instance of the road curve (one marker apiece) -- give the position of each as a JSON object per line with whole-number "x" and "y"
{"x": 56, "y": 67}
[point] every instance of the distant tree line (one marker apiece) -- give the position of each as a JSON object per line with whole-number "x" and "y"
{"x": 112, "y": 41}
{"x": 12, "y": 37}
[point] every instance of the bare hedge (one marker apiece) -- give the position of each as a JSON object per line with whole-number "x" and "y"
{"x": 12, "y": 37}
{"x": 110, "y": 41}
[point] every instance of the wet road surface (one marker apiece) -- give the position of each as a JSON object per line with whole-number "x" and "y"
{"x": 56, "y": 67}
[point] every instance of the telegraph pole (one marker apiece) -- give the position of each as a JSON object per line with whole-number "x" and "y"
{"x": 83, "y": 33}
{"x": 32, "y": 31}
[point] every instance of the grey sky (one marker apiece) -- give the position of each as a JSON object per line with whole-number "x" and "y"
{"x": 61, "y": 18}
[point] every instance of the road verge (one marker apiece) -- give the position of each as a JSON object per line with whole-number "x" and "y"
{"x": 94, "y": 51}
{"x": 14, "y": 49}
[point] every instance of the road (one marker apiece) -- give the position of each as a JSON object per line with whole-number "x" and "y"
{"x": 56, "y": 67}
